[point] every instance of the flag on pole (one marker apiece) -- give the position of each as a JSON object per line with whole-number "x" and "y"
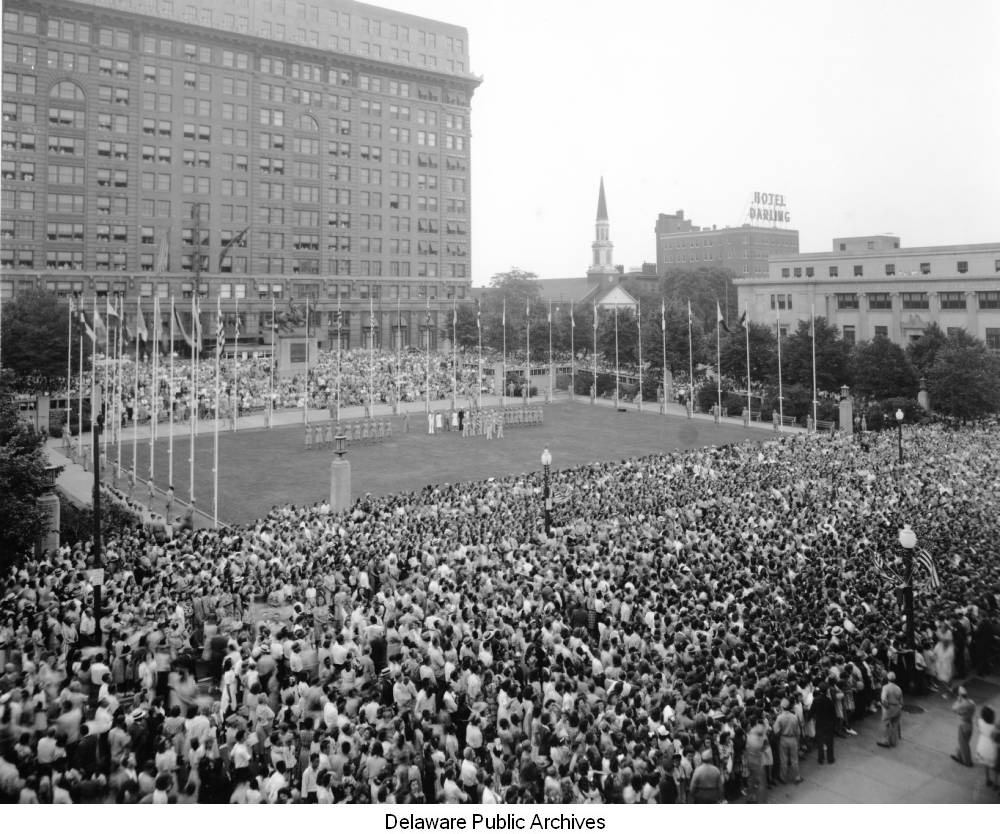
{"x": 196, "y": 323}
{"x": 743, "y": 321}
{"x": 112, "y": 312}
{"x": 86, "y": 327}
{"x": 180, "y": 326}
{"x": 479, "y": 312}
{"x": 572, "y": 321}
{"x": 595, "y": 314}
{"x": 503, "y": 314}
{"x": 663, "y": 315}
{"x": 140, "y": 322}
{"x": 549, "y": 316}
{"x": 719, "y": 319}
{"x": 926, "y": 561}
{"x": 236, "y": 336}
{"x": 100, "y": 330}
{"x": 690, "y": 317}
{"x": 237, "y": 239}
{"x": 220, "y": 327}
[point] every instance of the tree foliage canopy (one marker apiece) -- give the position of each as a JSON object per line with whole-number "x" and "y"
{"x": 35, "y": 335}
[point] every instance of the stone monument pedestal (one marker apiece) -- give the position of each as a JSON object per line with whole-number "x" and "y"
{"x": 340, "y": 484}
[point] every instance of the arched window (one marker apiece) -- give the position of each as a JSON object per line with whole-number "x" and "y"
{"x": 67, "y": 90}
{"x": 308, "y": 123}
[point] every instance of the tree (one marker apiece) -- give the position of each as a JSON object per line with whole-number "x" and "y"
{"x": 34, "y": 335}
{"x": 703, "y": 287}
{"x": 964, "y": 381}
{"x": 22, "y": 481}
{"x": 923, "y": 351}
{"x": 880, "y": 370}
{"x": 832, "y": 357}
{"x": 763, "y": 353}
{"x": 466, "y": 332}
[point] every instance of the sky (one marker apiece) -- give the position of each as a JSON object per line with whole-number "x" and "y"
{"x": 868, "y": 116}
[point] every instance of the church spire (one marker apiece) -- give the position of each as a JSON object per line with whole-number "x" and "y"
{"x": 602, "y": 247}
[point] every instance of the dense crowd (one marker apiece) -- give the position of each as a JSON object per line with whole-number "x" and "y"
{"x": 692, "y": 621}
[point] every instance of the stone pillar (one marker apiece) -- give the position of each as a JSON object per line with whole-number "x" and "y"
{"x": 340, "y": 484}
{"x": 846, "y": 412}
{"x": 923, "y": 398}
{"x": 746, "y": 416}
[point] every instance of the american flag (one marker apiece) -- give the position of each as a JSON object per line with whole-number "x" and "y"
{"x": 926, "y": 561}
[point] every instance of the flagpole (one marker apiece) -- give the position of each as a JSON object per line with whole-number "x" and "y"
{"x": 813, "y": 317}
{"x": 746, "y": 330}
{"x": 135, "y": 397}
{"x": 594, "y": 384}
{"x": 154, "y": 398}
{"x": 503, "y": 354}
{"x": 527, "y": 347}
{"x": 690, "y": 364}
{"x": 69, "y": 366}
{"x": 106, "y": 388}
{"x": 427, "y": 355}
{"x": 399, "y": 343}
{"x": 639, "y": 323}
{"x": 781, "y": 399}
{"x": 479, "y": 330}
{"x": 79, "y": 397}
{"x": 194, "y": 391}
{"x": 663, "y": 335}
{"x": 371, "y": 355}
{"x": 305, "y": 383}
{"x": 173, "y": 404}
{"x": 236, "y": 376}
{"x": 93, "y": 377}
{"x": 340, "y": 325}
{"x": 551, "y": 392}
{"x": 572, "y": 351}
{"x": 270, "y": 364}
{"x": 718, "y": 360}
{"x": 119, "y": 386}
{"x": 617, "y": 367}
{"x": 454, "y": 352}
{"x": 219, "y": 341}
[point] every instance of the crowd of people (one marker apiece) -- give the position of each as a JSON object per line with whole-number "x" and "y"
{"x": 692, "y": 623}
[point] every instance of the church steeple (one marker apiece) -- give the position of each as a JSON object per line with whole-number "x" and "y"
{"x": 603, "y": 248}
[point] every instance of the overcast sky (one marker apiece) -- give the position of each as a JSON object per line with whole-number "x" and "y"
{"x": 870, "y": 117}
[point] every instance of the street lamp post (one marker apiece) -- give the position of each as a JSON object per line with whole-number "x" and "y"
{"x": 547, "y": 466}
{"x": 908, "y": 541}
{"x": 899, "y": 423}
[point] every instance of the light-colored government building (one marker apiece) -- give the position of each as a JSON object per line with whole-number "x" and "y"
{"x": 253, "y": 150}
{"x": 869, "y": 286}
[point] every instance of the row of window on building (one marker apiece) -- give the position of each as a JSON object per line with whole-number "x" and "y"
{"x": 75, "y": 31}
{"x": 987, "y": 300}
{"x": 962, "y": 267}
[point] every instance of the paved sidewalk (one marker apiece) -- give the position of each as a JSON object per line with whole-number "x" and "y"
{"x": 918, "y": 770}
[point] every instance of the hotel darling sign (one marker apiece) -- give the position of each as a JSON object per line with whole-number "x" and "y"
{"x": 769, "y": 207}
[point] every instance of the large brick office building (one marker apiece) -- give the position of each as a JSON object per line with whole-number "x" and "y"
{"x": 141, "y": 137}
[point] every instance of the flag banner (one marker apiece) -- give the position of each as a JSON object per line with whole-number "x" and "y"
{"x": 220, "y": 328}
{"x": 184, "y": 334}
{"x": 719, "y": 319}
{"x": 479, "y": 312}
{"x": 663, "y": 316}
{"x": 549, "y": 316}
{"x": 690, "y": 317}
{"x": 196, "y": 323}
{"x": 743, "y": 320}
{"x": 572, "y": 321}
{"x": 140, "y": 323}
{"x": 503, "y": 315}
{"x": 99, "y": 329}
{"x": 926, "y": 561}
{"x": 236, "y": 332}
{"x": 595, "y": 314}
{"x": 237, "y": 239}
{"x": 157, "y": 320}
{"x": 87, "y": 328}
{"x": 112, "y": 312}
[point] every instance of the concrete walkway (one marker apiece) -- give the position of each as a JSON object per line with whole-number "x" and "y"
{"x": 918, "y": 770}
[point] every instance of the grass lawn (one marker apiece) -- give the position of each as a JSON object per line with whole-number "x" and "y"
{"x": 259, "y": 468}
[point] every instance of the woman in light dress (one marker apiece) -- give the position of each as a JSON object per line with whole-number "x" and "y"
{"x": 986, "y": 746}
{"x": 944, "y": 655}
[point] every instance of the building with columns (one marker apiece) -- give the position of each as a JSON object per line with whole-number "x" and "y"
{"x": 258, "y": 151}
{"x": 870, "y": 286}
